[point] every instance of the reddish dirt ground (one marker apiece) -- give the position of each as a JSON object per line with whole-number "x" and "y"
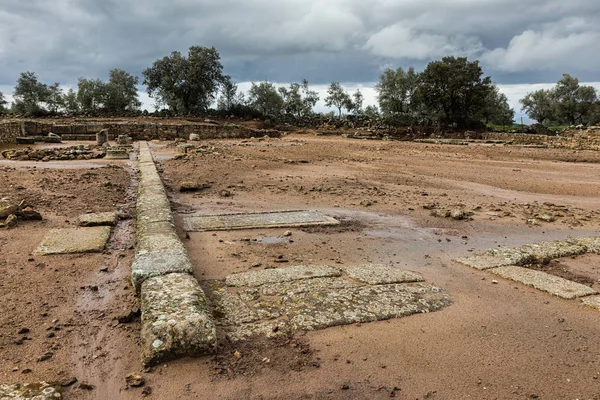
{"x": 497, "y": 341}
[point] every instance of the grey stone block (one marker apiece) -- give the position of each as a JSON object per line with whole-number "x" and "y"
{"x": 378, "y": 274}
{"x": 148, "y": 264}
{"x": 176, "y": 320}
{"x": 545, "y": 282}
{"x": 278, "y": 275}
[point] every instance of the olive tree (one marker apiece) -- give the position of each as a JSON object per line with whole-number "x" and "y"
{"x": 453, "y": 91}
{"x": 187, "y": 85}
{"x": 298, "y": 99}
{"x": 265, "y": 98}
{"x": 338, "y": 98}
{"x": 29, "y": 94}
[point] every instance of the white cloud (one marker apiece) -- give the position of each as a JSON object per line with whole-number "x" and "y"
{"x": 399, "y": 41}
{"x": 549, "y": 49}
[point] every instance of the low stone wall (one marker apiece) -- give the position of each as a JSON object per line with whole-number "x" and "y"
{"x": 9, "y": 132}
{"x": 138, "y": 131}
{"x": 517, "y": 138}
{"x": 176, "y": 319}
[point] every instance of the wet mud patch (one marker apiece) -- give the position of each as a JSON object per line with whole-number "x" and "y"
{"x": 560, "y": 269}
{"x": 345, "y": 225}
{"x": 258, "y": 354}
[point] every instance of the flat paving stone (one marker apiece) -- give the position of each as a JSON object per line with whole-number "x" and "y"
{"x": 281, "y": 301}
{"x": 378, "y": 274}
{"x": 75, "y": 240}
{"x": 98, "y": 219}
{"x": 321, "y": 308}
{"x": 278, "y": 275}
{"x": 545, "y": 251}
{"x": 592, "y": 301}
{"x": 545, "y": 282}
{"x": 276, "y": 219}
{"x": 485, "y": 261}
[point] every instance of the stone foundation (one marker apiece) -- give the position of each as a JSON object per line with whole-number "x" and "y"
{"x": 137, "y": 131}
{"x": 9, "y": 131}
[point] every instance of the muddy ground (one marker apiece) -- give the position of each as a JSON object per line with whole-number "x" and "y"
{"x": 497, "y": 341}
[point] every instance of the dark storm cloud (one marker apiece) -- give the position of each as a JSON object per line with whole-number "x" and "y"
{"x": 345, "y": 40}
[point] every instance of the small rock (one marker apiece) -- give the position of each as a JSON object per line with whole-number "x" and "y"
{"x": 11, "y": 221}
{"x": 29, "y": 214}
{"x": 287, "y": 233}
{"x": 130, "y": 316}
{"x": 237, "y": 354}
{"x": 458, "y": 214}
{"x": 547, "y": 218}
{"x": 23, "y": 331}
{"x": 45, "y": 357}
{"x": 190, "y": 186}
{"x": 495, "y": 282}
{"x": 366, "y": 203}
{"x": 67, "y": 381}
{"x": 86, "y": 386}
{"x": 225, "y": 193}
{"x": 147, "y": 391}
{"x": 345, "y": 387}
{"x": 134, "y": 380}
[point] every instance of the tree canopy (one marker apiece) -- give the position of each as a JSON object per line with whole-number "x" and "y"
{"x": 298, "y": 99}
{"x": 265, "y": 98}
{"x": 29, "y": 94}
{"x": 396, "y": 91}
{"x": 337, "y": 97}
{"x": 567, "y": 103}
{"x": 3, "y": 103}
{"x": 186, "y": 85}
{"x": 453, "y": 91}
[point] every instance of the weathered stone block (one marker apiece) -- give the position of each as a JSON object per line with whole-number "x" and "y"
{"x": 278, "y": 275}
{"x": 176, "y": 320}
{"x": 545, "y": 282}
{"x": 62, "y": 129}
{"x": 98, "y": 219}
{"x": 378, "y": 274}
{"x": 158, "y": 263}
{"x": 75, "y": 240}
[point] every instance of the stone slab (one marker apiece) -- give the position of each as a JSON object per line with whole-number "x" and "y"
{"x": 116, "y": 155}
{"x": 485, "y": 261}
{"x": 157, "y": 263}
{"x": 277, "y": 219}
{"x": 98, "y": 219}
{"x": 242, "y": 316}
{"x": 545, "y": 251}
{"x": 176, "y": 320}
{"x": 75, "y": 240}
{"x": 592, "y": 244}
{"x": 378, "y": 274}
{"x": 513, "y": 256}
{"x": 545, "y": 282}
{"x": 278, "y": 275}
{"x": 592, "y": 301}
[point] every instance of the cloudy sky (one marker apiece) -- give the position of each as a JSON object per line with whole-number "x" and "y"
{"x": 519, "y": 42}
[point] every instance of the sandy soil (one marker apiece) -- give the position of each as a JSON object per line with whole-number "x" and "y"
{"x": 497, "y": 341}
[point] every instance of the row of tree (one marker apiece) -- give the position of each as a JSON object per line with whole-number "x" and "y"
{"x": 567, "y": 103}
{"x": 118, "y": 96}
{"x": 451, "y": 91}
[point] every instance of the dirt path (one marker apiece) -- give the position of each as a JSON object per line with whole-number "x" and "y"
{"x": 496, "y": 341}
